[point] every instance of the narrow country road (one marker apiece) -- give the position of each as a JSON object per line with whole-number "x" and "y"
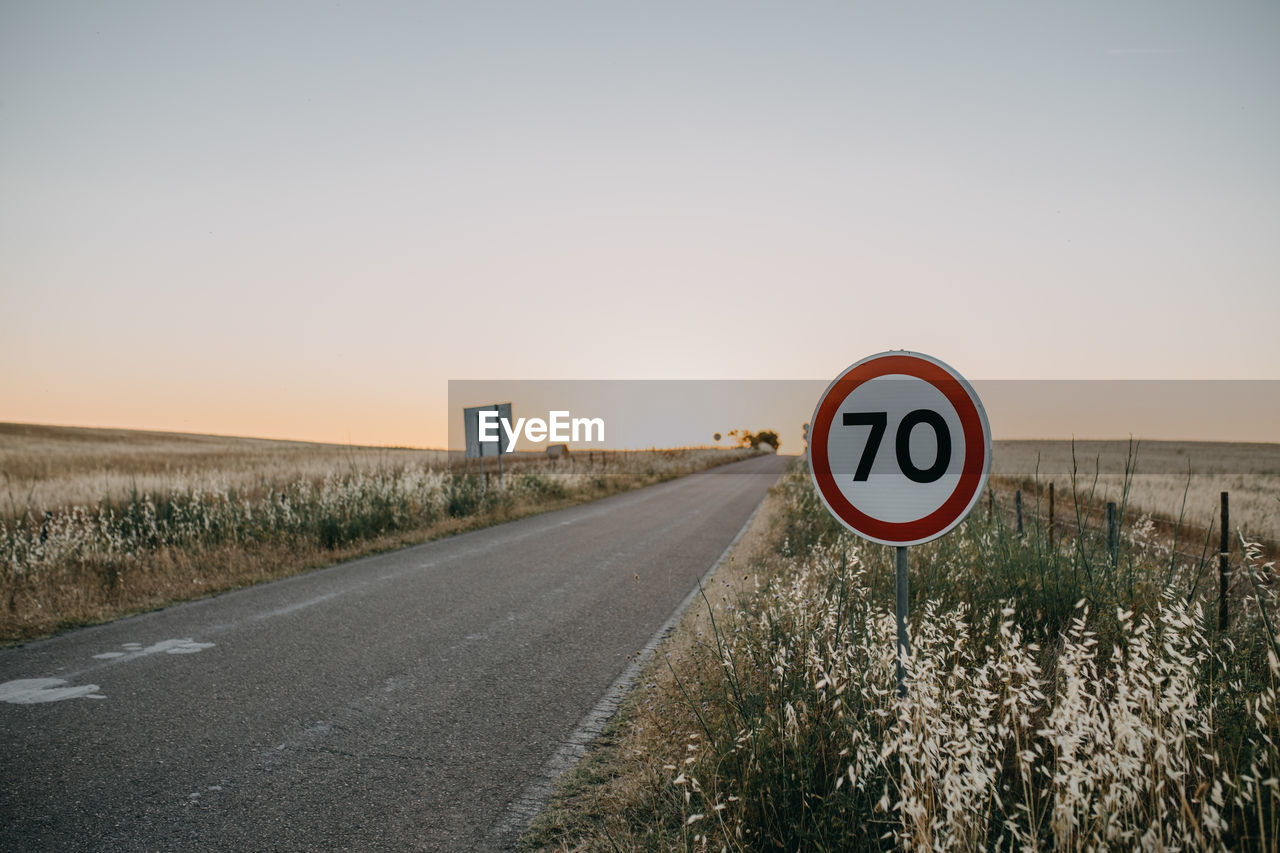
{"x": 408, "y": 701}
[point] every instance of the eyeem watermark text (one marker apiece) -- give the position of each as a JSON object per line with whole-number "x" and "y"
{"x": 559, "y": 426}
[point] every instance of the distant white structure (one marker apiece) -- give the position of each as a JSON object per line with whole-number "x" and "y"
{"x": 475, "y": 448}
{"x": 558, "y": 451}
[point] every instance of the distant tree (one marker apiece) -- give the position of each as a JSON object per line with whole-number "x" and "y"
{"x": 753, "y": 440}
{"x": 767, "y": 436}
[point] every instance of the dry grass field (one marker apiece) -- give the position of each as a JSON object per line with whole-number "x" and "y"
{"x": 98, "y": 523}
{"x": 46, "y": 467}
{"x": 1163, "y": 471}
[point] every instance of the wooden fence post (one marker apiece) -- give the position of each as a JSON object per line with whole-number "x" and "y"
{"x": 1222, "y": 565}
{"x": 1017, "y": 505}
{"x": 991, "y": 503}
{"x": 1113, "y": 537}
{"x": 1051, "y": 515}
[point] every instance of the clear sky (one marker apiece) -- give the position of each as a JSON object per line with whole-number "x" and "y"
{"x": 301, "y": 219}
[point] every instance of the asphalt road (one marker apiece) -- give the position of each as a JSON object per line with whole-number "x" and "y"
{"x": 411, "y": 700}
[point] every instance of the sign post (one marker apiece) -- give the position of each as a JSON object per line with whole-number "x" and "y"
{"x": 927, "y": 477}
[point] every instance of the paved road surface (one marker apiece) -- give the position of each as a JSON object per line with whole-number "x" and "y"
{"x": 403, "y": 701}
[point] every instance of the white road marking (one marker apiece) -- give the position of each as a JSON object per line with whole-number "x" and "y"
{"x": 292, "y": 608}
{"x": 184, "y": 646}
{"x": 32, "y": 691}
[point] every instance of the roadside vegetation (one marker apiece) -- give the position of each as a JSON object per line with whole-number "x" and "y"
{"x": 1061, "y": 696}
{"x": 181, "y": 517}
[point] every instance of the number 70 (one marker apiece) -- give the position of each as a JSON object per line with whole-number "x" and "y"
{"x": 878, "y": 421}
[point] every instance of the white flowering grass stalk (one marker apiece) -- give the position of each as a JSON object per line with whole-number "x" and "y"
{"x": 1113, "y": 730}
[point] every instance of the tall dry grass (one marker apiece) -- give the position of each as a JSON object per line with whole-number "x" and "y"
{"x": 1058, "y": 698}
{"x": 47, "y": 467}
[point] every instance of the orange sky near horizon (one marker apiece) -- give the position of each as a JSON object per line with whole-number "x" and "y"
{"x": 1247, "y": 411}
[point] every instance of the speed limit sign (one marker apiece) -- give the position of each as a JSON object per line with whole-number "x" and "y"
{"x": 900, "y": 448}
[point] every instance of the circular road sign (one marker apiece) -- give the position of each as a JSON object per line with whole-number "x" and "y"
{"x": 900, "y": 448}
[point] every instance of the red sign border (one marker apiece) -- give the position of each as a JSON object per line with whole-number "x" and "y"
{"x": 973, "y": 475}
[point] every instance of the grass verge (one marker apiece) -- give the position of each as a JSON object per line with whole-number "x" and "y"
{"x": 129, "y": 553}
{"x": 1059, "y": 697}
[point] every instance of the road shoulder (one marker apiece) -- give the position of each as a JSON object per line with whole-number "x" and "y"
{"x": 607, "y": 777}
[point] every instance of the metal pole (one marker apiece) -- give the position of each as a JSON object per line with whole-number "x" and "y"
{"x": 904, "y": 645}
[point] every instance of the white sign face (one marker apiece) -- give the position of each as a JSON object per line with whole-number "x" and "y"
{"x": 900, "y": 448}
{"x": 877, "y": 413}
